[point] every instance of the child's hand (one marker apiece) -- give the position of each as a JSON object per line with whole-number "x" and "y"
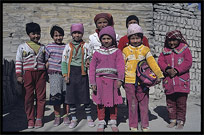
{"x": 119, "y": 84}
{"x": 87, "y": 63}
{"x": 158, "y": 80}
{"x": 93, "y": 87}
{"x": 170, "y": 72}
{"x": 20, "y": 80}
{"x": 66, "y": 79}
{"x": 47, "y": 65}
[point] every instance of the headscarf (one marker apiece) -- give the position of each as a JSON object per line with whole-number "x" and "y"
{"x": 107, "y": 16}
{"x": 176, "y": 34}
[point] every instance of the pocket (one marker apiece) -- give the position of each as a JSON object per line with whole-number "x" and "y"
{"x": 184, "y": 82}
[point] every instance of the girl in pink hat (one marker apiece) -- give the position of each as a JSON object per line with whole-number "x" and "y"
{"x": 75, "y": 75}
{"x": 137, "y": 96}
{"x": 176, "y": 61}
{"x": 106, "y": 76}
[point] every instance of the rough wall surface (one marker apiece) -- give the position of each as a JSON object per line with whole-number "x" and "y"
{"x": 155, "y": 18}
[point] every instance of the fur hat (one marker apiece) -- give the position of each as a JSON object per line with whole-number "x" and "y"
{"x": 109, "y": 30}
{"x": 134, "y": 29}
{"x": 77, "y": 27}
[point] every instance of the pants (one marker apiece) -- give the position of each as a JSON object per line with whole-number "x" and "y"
{"x": 136, "y": 99}
{"x": 176, "y": 106}
{"x": 35, "y": 81}
{"x": 73, "y": 109}
{"x": 101, "y": 112}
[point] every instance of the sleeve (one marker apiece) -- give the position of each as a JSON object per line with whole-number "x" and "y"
{"x": 121, "y": 44}
{"x": 64, "y": 61}
{"x": 92, "y": 70}
{"x": 86, "y": 48}
{"x": 186, "y": 64}
{"x": 19, "y": 62}
{"x": 153, "y": 65}
{"x": 145, "y": 41}
{"x": 162, "y": 63}
{"x": 117, "y": 39}
{"x": 120, "y": 65}
{"x": 47, "y": 53}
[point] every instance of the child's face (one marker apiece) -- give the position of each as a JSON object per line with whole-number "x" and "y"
{"x": 77, "y": 36}
{"x": 106, "y": 41}
{"x": 135, "y": 40}
{"x": 57, "y": 37}
{"x": 101, "y": 23}
{"x": 132, "y": 22}
{"x": 173, "y": 43}
{"x": 34, "y": 36}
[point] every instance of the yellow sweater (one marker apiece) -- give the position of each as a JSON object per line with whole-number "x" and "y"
{"x": 132, "y": 55}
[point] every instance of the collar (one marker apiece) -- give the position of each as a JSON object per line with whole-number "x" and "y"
{"x": 179, "y": 49}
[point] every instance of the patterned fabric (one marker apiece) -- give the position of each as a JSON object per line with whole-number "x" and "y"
{"x": 57, "y": 89}
{"x": 174, "y": 35}
{"x": 54, "y": 56}
{"x": 27, "y": 59}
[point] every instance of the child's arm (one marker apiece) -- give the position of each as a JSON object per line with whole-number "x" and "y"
{"x": 92, "y": 70}
{"x": 186, "y": 64}
{"x": 162, "y": 63}
{"x": 19, "y": 64}
{"x": 64, "y": 63}
{"x": 120, "y": 66}
{"x": 47, "y": 55}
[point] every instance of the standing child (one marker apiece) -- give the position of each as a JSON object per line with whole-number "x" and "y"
{"x": 123, "y": 42}
{"x": 30, "y": 71}
{"x": 75, "y": 75}
{"x": 101, "y": 20}
{"x": 57, "y": 84}
{"x": 175, "y": 61}
{"x": 106, "y": 76}
{"x": 134, "y": 53}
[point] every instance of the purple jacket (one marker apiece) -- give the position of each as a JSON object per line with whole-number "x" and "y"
{"x": 179, "y": 58}
{"x": 107, "y": 62}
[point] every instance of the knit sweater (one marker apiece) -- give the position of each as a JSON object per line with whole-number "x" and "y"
{"x": 30, "y": 56}
{"x": 132, "y": 55}
{"x": 124, "y": 41}
{"x": 54, "y": 57}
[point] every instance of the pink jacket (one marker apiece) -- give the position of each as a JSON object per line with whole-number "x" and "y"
{"x": 179, "y": 58}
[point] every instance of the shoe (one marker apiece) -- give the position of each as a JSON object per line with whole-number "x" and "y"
{"x": 180, "y": 125}
{"x": 38, "y": 123}
{"x": 73, "y": 124}
{"x": 172, "y": 124}
{"x": 133, "y": 129}
{"x": 66, "y": 121}
{"x": 101, "y": 125}
{"x": 57, "y": 121}
{"x": 113, "y": 125}
{"x": 30, "y": 124}
{"x": 91, "y": 123}
{"x": 145, "y": 129}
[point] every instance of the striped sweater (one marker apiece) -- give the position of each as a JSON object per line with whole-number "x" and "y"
{"x": 28, "y": 59}
{"x": 53, "y": 54}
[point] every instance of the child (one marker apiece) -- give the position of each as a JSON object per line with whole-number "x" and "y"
{"x": 106, "y": 76}
{"x": 123, "y": 42}
{"x": 101, "y": 20}
{"x": 175, "y": 61}
{"x": 57, "y": 84}
{"x": 75, "y": 75}
{"x": 30, "y": 71}
{"x": 134, "y": 53}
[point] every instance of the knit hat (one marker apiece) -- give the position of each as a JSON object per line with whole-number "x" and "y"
{"x": 131, "y": 17}
{"x": 134, "y": 29}
{"x": 109, "y": 30}
{"x": 107, "y": 16}
{"x": 77, "y": 27}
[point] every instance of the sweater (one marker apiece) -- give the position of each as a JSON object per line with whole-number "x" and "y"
{"x": 132, "y": 55}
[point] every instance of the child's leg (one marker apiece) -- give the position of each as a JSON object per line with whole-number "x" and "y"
{"x": 57, "y": 115}
{"x": 101, "y": 117}
{"x": 132, "y": 105}
{"x": 171, "y": 107}
{"x": 113, "y": 118}
{"x": 29, "y": 98}
{"x": 88, "y": 115}
{"x": 66, "y": 120}
{"x": 181, "y": 109}
{"x": 73, "y": 115}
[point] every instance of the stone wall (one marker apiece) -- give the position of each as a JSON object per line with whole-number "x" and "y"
{"x": 156, "y": 20}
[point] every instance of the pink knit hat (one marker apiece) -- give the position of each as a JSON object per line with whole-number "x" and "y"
{"x": 109, "y": 30}
{"x": 77, "y": 27}
{"x": 134, "y": 29}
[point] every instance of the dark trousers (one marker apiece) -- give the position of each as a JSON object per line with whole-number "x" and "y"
{"x": 35, "y": 81}
{"x": 176, "y": 106}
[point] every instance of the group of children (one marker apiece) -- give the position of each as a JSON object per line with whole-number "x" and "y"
{"x": 112, "y": 63}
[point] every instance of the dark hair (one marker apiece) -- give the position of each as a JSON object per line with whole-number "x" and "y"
{"x": 32, "y": 27}
{"x": 56, "y": 28}
{"x": 137, "y": 34}
{"x": 131, "y": 17}
{"x": 113, "y": 42}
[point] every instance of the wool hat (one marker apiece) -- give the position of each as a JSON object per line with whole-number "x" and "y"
{"x": 134, "y": 29}
{"x": 77, "y": 27}
{"x": 107, "y": 16}
{"x": 109, "y": 30}
{"x": 131, "y": 17}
